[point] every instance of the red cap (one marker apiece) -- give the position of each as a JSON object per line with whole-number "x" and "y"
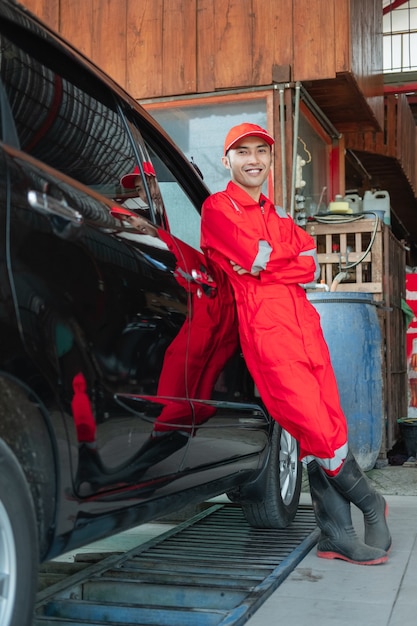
{"x": 148, "y": 168}
{"x": 246, "y": 130}
{"x": 128, "y": 180}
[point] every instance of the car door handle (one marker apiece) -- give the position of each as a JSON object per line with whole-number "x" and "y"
{"x": 51, "y": 206}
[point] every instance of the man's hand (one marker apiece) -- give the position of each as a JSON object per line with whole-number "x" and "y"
{"x": 240, "y": 270}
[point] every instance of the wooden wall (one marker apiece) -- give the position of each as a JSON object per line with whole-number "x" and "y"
{"x": 175, "y": 47}
{"x": 366, "y": 47}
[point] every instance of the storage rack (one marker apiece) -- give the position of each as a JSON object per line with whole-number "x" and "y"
{"x": 341, "y": 242}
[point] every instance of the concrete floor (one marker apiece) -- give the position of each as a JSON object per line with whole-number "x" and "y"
{"x": 322, "y": 592}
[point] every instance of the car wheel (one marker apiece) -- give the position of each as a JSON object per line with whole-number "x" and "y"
{"x": 18, "y": 544}
{"x": 272, "y": 501}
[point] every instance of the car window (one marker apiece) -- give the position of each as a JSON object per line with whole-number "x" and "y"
{"x": 182, "y": 214}
{"x": 176, "y": 198}
{"x": 140, "y": 191}
{"x": 183, "y": 218}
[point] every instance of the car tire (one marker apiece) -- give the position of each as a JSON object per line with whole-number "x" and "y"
{"x": 272, "y": 501}
{"x": 19, "y": 557}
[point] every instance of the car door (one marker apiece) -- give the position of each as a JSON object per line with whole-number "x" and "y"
{"x": 93, "y": 312}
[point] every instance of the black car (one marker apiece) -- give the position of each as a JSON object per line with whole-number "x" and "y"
{"x": 123, "y": 393}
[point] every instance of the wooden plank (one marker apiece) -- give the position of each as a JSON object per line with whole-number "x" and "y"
{"x": 342, "y": 36}
{"x": 391, "y": 124}
{"x": 144, "y": 72}
{"x": 263, "y": 47}
{"x": 334, "y": 258}
{"x": 374, "y": 288}
{"x": 379, "y": 143}
{"x": 179, "y": 47}
{"x": 377, "y": 265}
{"x": 233, "y": 43}
{"x": 327, "y": 274}
{"x": 206, "y": 55}
{"x": 406, "y": 140}
{"x": 314, "y": 40}
{"x": 108, "y": 28}
{"x": 78, "y": 31}
{"x": 395, "y": 344}
{"x": 270, "y": 47}
{"x": 367, "y": 54}
{"x": 45, "y": 10}
{"x": 359, "y": 226}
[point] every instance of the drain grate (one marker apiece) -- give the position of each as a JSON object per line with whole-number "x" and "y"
{"x": 213, "y": 570}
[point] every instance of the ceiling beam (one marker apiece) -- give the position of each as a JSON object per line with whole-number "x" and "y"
{"x": 407, "y": 88}
{"x": 393, "y": 5}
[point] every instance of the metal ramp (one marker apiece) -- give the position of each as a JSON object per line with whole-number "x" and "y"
{"x": 212, "y": 570}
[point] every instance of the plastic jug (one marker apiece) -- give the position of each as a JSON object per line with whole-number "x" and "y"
{"x": 355, "y": 202}
{"x": 378, "y": 201}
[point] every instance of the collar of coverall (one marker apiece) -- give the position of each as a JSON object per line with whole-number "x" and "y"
{"x": 242, "y": 197}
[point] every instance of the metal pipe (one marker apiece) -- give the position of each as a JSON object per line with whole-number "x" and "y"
{"x": 282, "y": 133}
{"x": 318, "y": 113}
{"x": 294, "y": 148}
{"x": 313, "y": 285}
{"x": 209, "y": 94}
{"x": 338, "y": 279}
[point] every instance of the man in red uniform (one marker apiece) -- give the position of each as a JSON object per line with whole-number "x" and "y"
{"x": 268, "y": 258}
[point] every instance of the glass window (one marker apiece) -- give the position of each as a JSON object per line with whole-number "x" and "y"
{"x": 312, "y": 159}
{"x": 199, "y": 130}
{"x": 400, "y": 37}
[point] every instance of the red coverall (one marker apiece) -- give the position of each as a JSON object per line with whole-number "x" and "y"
{"x": 206, "y": 341}
{"x": 280, "y": 332}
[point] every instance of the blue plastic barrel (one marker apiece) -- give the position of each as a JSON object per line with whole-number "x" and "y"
{"x": 351, "y": 328}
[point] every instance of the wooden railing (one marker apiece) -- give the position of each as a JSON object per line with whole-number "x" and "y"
{"x": 402, "y": 136}
{"x": 399, "y": 139}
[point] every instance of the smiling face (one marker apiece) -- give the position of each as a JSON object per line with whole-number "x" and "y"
{"x": 249, "y": 162}
{"x": 140, "y": 189}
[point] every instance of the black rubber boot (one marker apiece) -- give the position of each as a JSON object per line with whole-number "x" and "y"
{"x": 338, "y": 539}
{"x": 353, "y": 485}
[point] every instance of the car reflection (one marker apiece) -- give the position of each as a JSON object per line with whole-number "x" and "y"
{"x": 191, "y": 367}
